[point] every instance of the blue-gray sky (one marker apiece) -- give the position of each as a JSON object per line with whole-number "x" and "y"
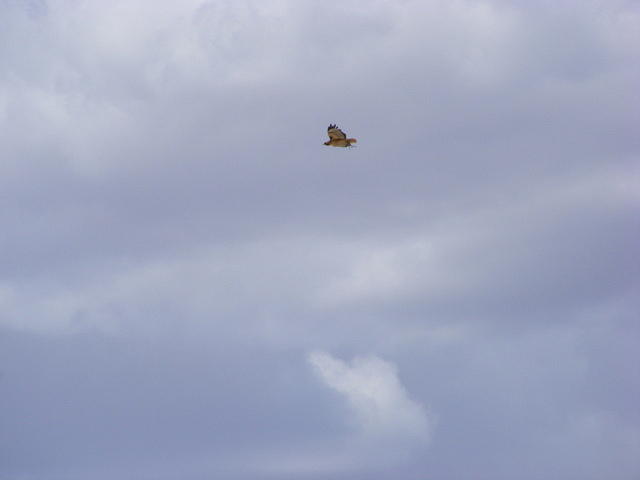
{"x": 192, "y": 286}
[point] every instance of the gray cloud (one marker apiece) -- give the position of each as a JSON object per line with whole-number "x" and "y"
{"x": 176, "y": 238}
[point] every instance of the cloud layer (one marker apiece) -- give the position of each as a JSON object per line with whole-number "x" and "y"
{"x": 175, "y": 239}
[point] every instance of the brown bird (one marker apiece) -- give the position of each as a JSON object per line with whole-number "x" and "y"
{"x": 337, "y": 138}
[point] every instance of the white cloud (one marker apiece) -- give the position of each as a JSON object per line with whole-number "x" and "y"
{"x": 379, "y": 401}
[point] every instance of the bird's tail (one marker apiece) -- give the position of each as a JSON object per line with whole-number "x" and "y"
{"x": 352, "y": 140}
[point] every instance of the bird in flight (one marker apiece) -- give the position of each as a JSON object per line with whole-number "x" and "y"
{"x": 337, "y": 138}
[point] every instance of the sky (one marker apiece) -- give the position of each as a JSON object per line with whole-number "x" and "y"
{"x": 192, "y": 286}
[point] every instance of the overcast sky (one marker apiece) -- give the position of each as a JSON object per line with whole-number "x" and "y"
{"x": 192, "y": 286}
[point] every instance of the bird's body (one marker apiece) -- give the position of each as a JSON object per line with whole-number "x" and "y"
{"x": 337, "y": 138}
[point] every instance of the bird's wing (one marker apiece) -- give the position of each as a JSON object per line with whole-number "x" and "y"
{"x": 335, "y": 133}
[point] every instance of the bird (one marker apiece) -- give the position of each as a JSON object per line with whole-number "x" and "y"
{"x": 337, "y": 138}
